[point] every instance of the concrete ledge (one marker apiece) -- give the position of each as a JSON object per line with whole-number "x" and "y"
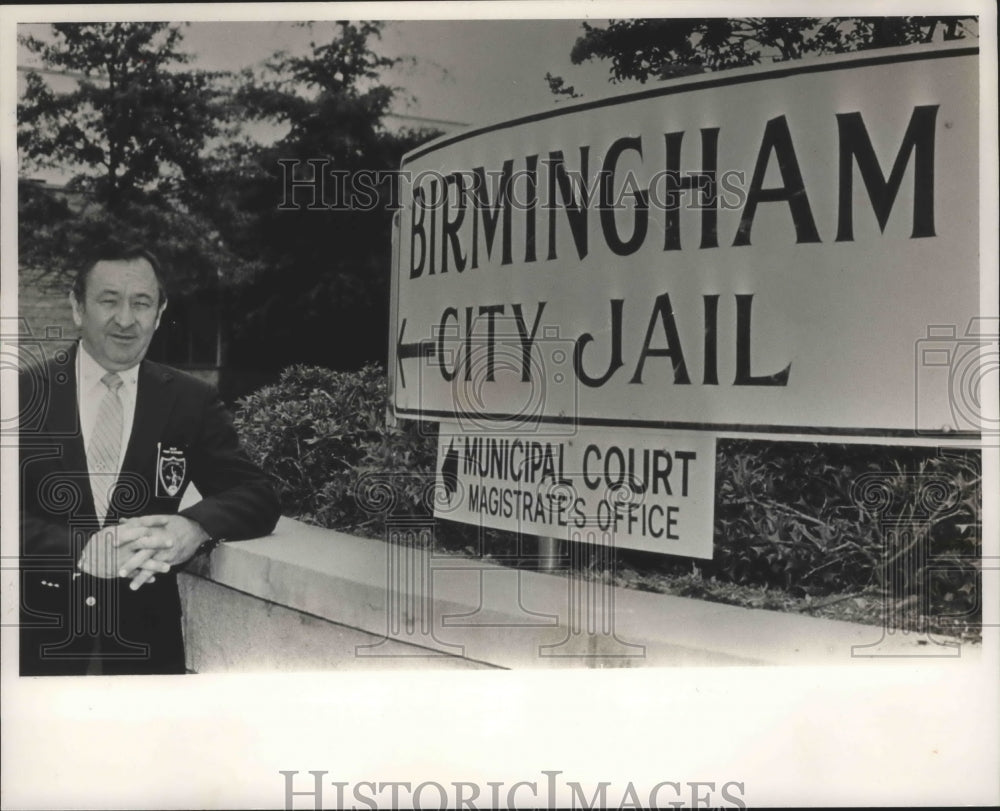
{"x": 310, "y": 598}
{"x": 228, "y": 630}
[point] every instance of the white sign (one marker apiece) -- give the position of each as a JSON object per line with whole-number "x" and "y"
{"x": 769, "y": 250}
{"x": 641, "y": 490}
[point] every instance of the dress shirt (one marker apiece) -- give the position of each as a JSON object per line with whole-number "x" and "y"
{"x": 90, "y": 392}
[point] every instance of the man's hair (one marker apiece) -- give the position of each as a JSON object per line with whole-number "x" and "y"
{"x": 117, "y": 252}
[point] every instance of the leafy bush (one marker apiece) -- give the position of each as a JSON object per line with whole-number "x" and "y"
{"x": 323, "y": 436}
{"x": 825, "y": 517}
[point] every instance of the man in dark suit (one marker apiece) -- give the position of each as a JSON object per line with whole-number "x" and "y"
{"x": 109, "y": 442}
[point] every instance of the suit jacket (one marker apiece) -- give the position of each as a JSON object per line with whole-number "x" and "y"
{"x": 181, "y": 434}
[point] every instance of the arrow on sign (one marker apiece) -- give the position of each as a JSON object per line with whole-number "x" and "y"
{"x": 416, "y": 349}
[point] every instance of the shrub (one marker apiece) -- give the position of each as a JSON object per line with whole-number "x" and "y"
{"x": 323, "y": 436}
{"x": 828, "y": 517}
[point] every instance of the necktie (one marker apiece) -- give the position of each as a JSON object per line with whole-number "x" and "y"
{"x": 105, "y": 445}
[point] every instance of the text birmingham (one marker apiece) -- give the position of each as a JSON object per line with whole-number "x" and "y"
{"x": 453, "y": 218}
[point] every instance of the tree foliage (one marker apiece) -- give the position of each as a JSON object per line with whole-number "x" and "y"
{"x": 134, "y": 132}
{"x": 643, "y": 49}
{"x": 327, "y": 263}
{"x": 558, "y": 87}
{"x": 134, "y": 123}
{"x": 53, "y": 234}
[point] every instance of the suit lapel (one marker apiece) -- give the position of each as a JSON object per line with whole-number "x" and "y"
{"x": 154, "y": 399}
{"x": 62, "y": 425}
{"x": 63, "y": 420}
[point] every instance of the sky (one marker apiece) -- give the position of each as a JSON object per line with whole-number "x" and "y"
{"x": 466, "y": 71}
{"x": 471, "y": 71}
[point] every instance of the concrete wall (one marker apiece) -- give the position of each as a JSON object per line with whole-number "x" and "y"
{"x": 312, "y": 599}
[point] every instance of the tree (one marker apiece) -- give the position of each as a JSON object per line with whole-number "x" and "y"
{"x": 558, "y": 87}
{"x": 323, "y": 295}
{"x": 133, "y": 133}
{"x": 643, "y": 49}
{"x": 134, "y": 122}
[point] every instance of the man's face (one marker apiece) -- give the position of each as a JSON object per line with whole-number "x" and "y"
{"x": 119, "y": 313}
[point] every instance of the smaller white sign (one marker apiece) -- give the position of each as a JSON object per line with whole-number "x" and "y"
{"x": 647, "y": 490}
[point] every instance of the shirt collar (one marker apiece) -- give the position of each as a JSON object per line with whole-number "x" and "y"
{"x": 91, "y": 371}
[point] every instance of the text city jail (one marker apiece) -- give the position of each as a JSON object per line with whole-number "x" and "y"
{"x": 461, "y": 347}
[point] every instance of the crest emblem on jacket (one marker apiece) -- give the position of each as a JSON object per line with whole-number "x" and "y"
{"x": 171, "y": 466}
